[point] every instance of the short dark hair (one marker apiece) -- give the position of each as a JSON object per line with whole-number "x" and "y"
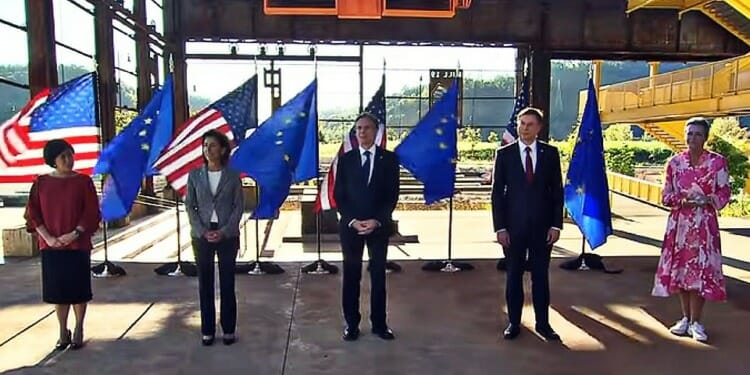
{"x": 702, "y": 121}
{"x": 533, "y": 111}
{"x": 223, "y": 142}
{"x": 368, "y": 116}
{"x": 53, "y": 149}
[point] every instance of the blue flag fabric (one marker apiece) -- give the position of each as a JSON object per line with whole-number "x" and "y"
{"x": 128, "y": 157}
{"x": 282, "y": 151}
{"x": 586, "y": 188}
{"x": 430, "y": 150}
{"x": 240, "y": 108}
{"x": 70, "y": 105}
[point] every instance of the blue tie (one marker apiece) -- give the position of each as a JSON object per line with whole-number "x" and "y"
{"x": 366, "y": 167}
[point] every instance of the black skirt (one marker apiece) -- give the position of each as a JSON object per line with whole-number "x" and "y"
{"x": 66, "y": 276}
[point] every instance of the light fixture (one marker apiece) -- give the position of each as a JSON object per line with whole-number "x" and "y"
{"x": 233, "y": 49}
{"x": 262, "y": 49}
{"x": 281, "y": 49}
{"x": 312, "y": 49}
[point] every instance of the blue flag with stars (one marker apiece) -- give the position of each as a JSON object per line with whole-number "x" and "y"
{"x": 282, "y": 151}
{"x": 129, "y": 156}
{"x": 586, "y": 188}
{"x": 429, "y": 151}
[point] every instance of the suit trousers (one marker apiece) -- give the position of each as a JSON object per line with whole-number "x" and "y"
{"x": 532, "y": 243}
{"x": 353, "y": 248}
{"x": 226, "y": 251}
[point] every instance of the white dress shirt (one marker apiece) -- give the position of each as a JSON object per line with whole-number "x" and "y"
{"x": 213, "y": 182}
{"x": 372, "y": 159}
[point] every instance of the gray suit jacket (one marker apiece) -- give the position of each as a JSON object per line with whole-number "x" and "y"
{"x": 228, "y": 202}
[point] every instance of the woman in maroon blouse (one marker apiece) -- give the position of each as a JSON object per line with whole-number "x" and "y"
{"x": 63, "y": 210}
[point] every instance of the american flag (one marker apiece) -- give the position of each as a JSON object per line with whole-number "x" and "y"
{"x": 67, "y": 112}
{"x": 376, "y": 107}
{"x": 522, "y": 101}
{"x": 234, "y": 113}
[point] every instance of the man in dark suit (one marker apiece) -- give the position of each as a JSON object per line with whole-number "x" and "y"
{"x": 366, "y": 193}
{"x": 527, "y": 204}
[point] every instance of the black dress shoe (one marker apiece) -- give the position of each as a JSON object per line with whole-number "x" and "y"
{"x": 511, "y": 331}
{"x": 548, "y": 333}
{"x": 351, "y": 334}
{"x": 207, "y": 340}
{"x": 229, "y": 339}
{"x": 63, "y": 342}
{"x": 385, "y": 334}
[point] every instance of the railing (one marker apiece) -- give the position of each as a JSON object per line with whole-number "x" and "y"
{"x": 645, "y": 191}
{"x": 707, "y": 81}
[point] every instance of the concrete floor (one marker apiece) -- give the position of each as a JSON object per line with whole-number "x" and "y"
{"x": 445, "y": 323}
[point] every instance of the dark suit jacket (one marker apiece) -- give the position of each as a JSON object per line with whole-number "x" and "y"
{"x": 517, "y": 205}
{"x": 355, "y": 199}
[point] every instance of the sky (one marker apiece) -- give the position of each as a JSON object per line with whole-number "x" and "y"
{"x": 338, "y": 83}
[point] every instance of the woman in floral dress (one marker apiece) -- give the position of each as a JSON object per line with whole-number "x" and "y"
{"x": 696, "y": 189}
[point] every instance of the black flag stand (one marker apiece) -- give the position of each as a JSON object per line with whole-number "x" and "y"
{"x": 448, "y": 265}
{"x": 107, "y": 268}
{"x": 580, "y": 263}
{"x": 320, "y": 266}
{"x": 178, "y": 268}
{"x": 257, "y": 267}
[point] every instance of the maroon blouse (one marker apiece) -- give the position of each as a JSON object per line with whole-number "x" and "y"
{"x": 61, "y": 204}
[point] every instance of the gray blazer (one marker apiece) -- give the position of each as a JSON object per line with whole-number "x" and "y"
{"x": 228, "y": 202}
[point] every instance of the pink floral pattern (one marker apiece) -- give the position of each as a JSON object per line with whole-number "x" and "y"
{"x": 691, "y": 251}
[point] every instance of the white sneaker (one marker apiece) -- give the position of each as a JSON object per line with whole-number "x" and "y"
{"x": 681, "y": 327}
{"x": 698, "y": 333}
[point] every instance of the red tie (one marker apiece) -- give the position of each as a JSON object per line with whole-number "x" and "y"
{"x": 529, "y": 166}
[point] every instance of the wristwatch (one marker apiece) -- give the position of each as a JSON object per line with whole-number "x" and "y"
{"x": 78, "y": 232}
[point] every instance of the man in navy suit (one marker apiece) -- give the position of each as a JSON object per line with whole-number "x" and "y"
{"x": 527, "y": 204}
{"x": 366, "y": 193}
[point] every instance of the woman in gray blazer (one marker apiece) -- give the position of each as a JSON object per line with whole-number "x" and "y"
{"x": 214, "y": 205}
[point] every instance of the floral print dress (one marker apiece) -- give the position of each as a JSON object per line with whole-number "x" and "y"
{"x": 691, "y": 251}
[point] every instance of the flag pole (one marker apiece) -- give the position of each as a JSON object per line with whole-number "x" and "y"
{"x": 257, "y": 267}
{"x": 390, "y": 266}
{"x": 106, "y": 269}
{"x": 178, "y": 268}
{"x": 583, "y": 266}
{"x": 449, "y": 265}
{"x": 320, "y": 266}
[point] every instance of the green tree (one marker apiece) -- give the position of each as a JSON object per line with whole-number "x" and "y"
{"x": 618, "y": 132}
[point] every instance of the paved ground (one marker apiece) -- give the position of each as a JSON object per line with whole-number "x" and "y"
{"x": 445, "y": 323}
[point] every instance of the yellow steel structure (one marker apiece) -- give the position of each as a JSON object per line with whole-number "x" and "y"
{"x": 715, "y": 89}
{"x": 733, "y": 15}
{"x": 645, "y": 191}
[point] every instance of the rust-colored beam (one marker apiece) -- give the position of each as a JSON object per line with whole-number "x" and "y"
{"x": 541, "y": 72}
{"x": 175, "y": 59}
{"x": 105, "y": 68}
{"x": 582, "y": 29}
{"x": 40, "y": 27}
{"x": 143, "y": 65}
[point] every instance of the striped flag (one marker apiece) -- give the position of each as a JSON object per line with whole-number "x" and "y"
{"x": 67, "y": 112}
{"x": 522, "y": 101}
{"x": 235, "y": 111}
{"x": 376, "y": 107}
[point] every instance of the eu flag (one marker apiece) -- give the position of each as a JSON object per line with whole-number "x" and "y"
{"x": 429, "y": 151}
{"x": 282, "y": 151}
{"x": 128, "y": 157}
{"x": 586, "y": 188}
